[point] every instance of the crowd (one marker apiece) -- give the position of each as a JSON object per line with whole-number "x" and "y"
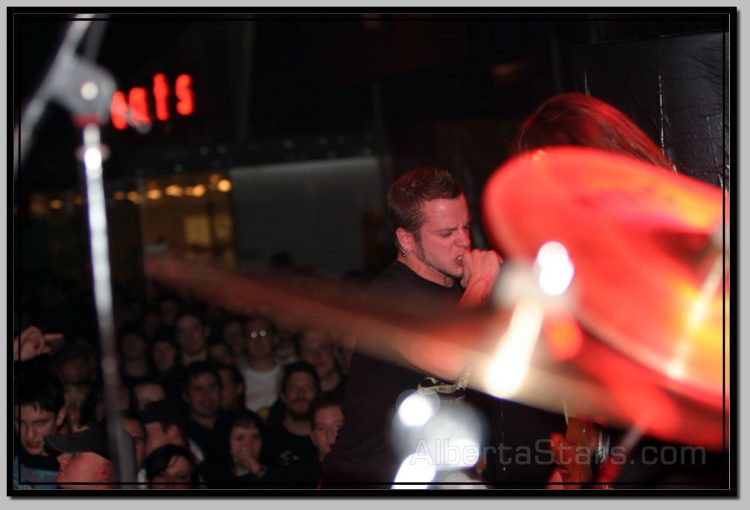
{"x": 207, "y": 398}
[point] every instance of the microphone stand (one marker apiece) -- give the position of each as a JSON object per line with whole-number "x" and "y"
{"x": 86, "y": 90}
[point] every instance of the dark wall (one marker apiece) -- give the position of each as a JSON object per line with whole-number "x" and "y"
{"x": 675, "y": 88}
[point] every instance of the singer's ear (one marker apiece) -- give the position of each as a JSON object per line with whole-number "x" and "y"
{"x": 406, "y": 239}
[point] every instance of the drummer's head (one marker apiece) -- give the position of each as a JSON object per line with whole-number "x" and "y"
{"x": 581, "y": 120}
{"x": 431, "y": 218}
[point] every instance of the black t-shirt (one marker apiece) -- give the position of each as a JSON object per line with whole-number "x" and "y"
{"x": 362, "y": 452}
{"x": 204, "y": 437}
{"x": 285, "y": 448}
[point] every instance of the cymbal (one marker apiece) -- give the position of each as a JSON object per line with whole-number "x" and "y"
{"x": 650, "y": 278}
{"x": 580, "y": 386}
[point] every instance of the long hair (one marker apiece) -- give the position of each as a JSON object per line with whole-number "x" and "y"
{"x": 577, "y": 119}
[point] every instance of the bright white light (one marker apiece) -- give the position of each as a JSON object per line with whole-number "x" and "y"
{"x": 459, "y": 480}
{"x": 415, "y": 468}
{"x": 556, "y": 268}
{"x": 458, "y": 453}
{"x": 676, "y": 369}
{"x": 416, "y": 410}
{"x": 93, "y": 159}
{"x": 89, "y": 91}
{"x": 509, "y": 366}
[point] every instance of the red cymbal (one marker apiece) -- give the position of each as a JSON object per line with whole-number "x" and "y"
{"x": 583, "y": 386}
{"x": 647, "y": 280}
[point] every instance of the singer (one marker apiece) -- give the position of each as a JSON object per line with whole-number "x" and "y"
{"x": 435, "y": 269}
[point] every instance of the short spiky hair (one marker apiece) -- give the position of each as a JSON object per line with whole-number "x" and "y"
{"x": 407, "y": 194}
{"x": 323, "y": 402}
{"x": 37, "y": 386}
{"x": 196, "y": 369}
{"x": 299, "y": 366}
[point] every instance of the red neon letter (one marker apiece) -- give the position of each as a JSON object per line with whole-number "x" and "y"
{"x": 118, "y": 110}
{"x": 184, "y": 94}
{"x": 139, "y": 106}
{"x": 161, "y": 93}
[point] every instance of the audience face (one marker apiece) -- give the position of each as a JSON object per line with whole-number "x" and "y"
{"x": 191, "y": 335}
{"x": 136, "y": 431}
{"x": 299, "y": 393}
{"x": 148, "y": 392}
{"x": 75, "y": 370}
{"x": 134, "y": 347}
{"x": 221, "y": 353}
{"x": 231, "y": 392}
{"x": 203, "y": 395}
{"x": 84, "y": 467}
{"x": 163, "y": 355}
{"x": 177, "y": 475}
{"x": 316, "y": 348}
{"x": 258, "y": 339}
{"x": 245, "y": 440}
{"x": 233, "y": 336}
{"x": 326, "y": 424}
{"x": 157, "y": 435}
{"x": 33, "y": 424}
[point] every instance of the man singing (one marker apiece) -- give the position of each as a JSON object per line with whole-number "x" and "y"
{"x": 435, "y": 269}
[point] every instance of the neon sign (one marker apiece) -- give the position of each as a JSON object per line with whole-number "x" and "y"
{"x": 137, "y": 104}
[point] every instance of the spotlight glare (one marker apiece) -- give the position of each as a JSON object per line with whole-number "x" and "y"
{"x": 224, "y": 185}
{"x": 173, "y": 190}
{"x": 415, "y": 468}
{"x": 509, "y": 366}
{"x": 89, "y": 91}
{"x": 415, "y": 410}
{"x": 199, "y": 190}
{"x": 556, "y": 268}
{"x": 153, "y": 194}
{"x": 92, "y": 158}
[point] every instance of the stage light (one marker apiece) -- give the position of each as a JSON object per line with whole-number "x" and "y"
{"x": 153, "y": 194}
{"x": 416, "y": 410}
{"x": 556, "y": 270}
{"x": 224, "y": 185}
{"x": 89, "y": 91}
{"x": 93, "y": 159}
{"x": 173, "y": 190}
{"x": 199, "y": 190}
{"x": 510, "y": 364}
{"x": 417, "y": 471}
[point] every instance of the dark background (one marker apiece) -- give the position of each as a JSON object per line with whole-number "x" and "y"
{"x": 407, "y": 88}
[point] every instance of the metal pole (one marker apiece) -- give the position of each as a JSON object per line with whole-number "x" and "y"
{"x": 92, "y": 156}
